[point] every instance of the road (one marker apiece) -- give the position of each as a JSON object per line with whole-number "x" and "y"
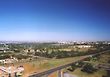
{"x": 47, "y": 72}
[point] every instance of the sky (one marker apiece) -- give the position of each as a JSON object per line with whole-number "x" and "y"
{"x": 55, "y": 20}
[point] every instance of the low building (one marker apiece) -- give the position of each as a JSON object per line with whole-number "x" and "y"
{"x": 83, "y": 46}
{"x": 5, "y": 61}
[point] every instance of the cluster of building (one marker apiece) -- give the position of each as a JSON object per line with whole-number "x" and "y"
{"x": 84, "y": 42}
{"x": 6, "y": 61}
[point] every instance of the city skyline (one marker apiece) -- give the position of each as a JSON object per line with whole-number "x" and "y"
{"x": 54, "y": 20}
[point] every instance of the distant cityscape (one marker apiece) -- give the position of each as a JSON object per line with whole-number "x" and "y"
{"x": 58, "y": 42}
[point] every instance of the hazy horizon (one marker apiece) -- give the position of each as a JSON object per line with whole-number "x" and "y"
{"x": 54, "y": 20}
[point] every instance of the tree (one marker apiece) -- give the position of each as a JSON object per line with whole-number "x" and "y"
{"x": 88, "y": 68}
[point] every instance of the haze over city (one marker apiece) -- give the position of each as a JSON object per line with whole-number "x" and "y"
{"x": 54, "y": 20}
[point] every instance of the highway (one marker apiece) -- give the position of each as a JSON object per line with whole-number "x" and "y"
{"x": 47, "y": 72}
